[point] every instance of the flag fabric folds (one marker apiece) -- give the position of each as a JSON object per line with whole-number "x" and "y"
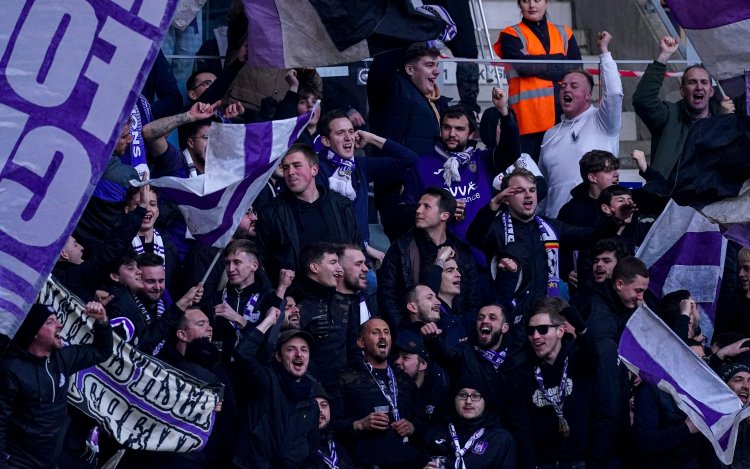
{"x": 71, "y": 75}
{"x": 314, "y": 33}
{"x": 718, "y": 30}
{"x": 684, "y": 250}
{"x": 653, "y": 351}
{"x": 239, "y": 160}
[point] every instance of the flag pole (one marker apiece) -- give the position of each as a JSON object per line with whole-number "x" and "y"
{"x": 211, "y": 267}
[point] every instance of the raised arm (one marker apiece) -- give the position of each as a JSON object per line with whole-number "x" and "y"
{"x": 609, "y": 114}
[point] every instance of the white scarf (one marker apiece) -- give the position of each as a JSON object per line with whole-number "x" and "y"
{"x": 158, "y": 246}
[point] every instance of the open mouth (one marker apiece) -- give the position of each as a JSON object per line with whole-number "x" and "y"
{"x": 743, "y": 395}
{"x": 567, "y": 99}
{"x": 382, "y": 344}
{"x": 485, "y": 331}
{"x": 698, "y": 98}
{"x": 528, "y": 205}
{"x": 294, "y": 317}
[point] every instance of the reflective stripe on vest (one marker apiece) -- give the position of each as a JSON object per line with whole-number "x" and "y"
{"x": 531, "y": 94}
{"x": 530, "y": 97}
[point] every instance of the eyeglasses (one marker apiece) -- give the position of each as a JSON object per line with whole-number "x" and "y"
{"x": 203, "y": 83}
{"x": 542, "y": 329}
{"x": 475, "y": 396}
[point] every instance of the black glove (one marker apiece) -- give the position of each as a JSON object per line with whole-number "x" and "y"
{"x": 570, "y": 313}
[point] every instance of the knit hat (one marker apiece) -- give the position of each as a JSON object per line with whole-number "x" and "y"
{"x": 471, "y": 382}
{"x": 319, "y": 391}
{"x": 729, "y": 371}
{"x": 38, "y": 314}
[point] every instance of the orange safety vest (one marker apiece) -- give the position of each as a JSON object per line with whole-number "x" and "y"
{"x": 532, "y": 98}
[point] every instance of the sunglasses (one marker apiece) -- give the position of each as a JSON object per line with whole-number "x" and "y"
{"x": 542, "y": 329}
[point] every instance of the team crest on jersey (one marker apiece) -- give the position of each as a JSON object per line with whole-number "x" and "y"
{"x": 479, "y": 447}
{"x": 473, "y": 167}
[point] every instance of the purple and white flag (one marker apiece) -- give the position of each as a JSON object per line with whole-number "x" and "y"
{"x": 239, "y": 160}
{"x": 308, "y": 33}
{"x": 718, "y": 30}
{"x": 653, "y": 351}
{"x": 70, "y": 72}
{"x": 684, "y": 250}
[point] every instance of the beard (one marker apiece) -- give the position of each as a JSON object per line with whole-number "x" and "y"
{"x": 494, "y": 340}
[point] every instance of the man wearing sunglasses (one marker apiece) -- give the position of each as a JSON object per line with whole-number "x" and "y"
{"x": 552, "y": 393}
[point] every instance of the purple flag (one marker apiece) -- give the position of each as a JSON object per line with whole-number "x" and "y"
{"x": 70, "y": 73}
{"x": 308, "y": 33}
{"x": 718, "y": 30}
{"x": 649, "y": 348}
{"x": 684, "y": 249}
{"x": 239, "y": 160}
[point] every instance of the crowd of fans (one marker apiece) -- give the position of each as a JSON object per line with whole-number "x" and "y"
{"x": 485, "y": 336}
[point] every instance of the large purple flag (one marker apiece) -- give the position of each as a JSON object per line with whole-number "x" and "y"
{"x": 718, "y": 30}
{"x": 684, "y": 249}
{"x": 239, "y": 160}
{"x": 649, "y": 348}
{"x": 70, "y": 72}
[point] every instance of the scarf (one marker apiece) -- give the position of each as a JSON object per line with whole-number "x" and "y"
{"x": 551, "y": 247}
{"x": 556, "y": 399}
{"x": 364, "y": 311}
{"x": 457, "y": 446}
{"x": 248, "y": 313}
{"x": 192, "y": 170}
{"x": 331, "y": 459}
{"x": 453, "y": 160}
{"x": 496, "y": 358}
{"x": 432, "y": 99}
{"x": 140, "y": 116}
{"x": 158, "y": 247}
{"x": 341, "y": 179}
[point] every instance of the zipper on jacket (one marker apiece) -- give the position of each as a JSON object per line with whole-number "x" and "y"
{"x": 52, "y": 380}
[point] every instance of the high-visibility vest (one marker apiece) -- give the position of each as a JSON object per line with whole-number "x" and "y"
{"x": 532, "y": 98}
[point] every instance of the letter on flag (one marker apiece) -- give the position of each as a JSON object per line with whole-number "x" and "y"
{"x": 718, "y": 30}
{"x": 239, "y": 160}
{"x": 649, "y": 348}
{"x": 683, "y": 249}
{"x": 70, "y": 74}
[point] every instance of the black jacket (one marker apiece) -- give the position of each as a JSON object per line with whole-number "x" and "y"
{"x": 279, "y": 235}
{"x": 33, "y": 398}
{"x": 355, "y": 395}
{"x": 403, "y": 267}
{"x": 534, "y": 422}
{"x": 496, "y": 448}
{"x": 148, "y": 332}
{"x": 332, "y": 318}
{"x": 280, "y": 431}
{"x": 83, "y": 279}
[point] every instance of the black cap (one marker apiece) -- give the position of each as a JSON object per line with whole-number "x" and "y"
{"x": 289, "y": 334}
{"x": 411, "y": 344}
{"x": 37, "y": 316}
{"x": 319, "y": 391}
{"x": 295, "y": 292}
{"x": 729, "y": 371}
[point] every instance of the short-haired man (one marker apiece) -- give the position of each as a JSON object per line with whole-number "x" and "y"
{"x": 607, "y": 313}
{"x": 412, "y": 256}
{"x": 554, "y": 413}
{"x": 34, "y": 374}
{"x": 524, "y": 247}
{"x": 282, "y": 428}
{"x": 138, "y": 311}
{"x": 405, "y": 106}
{"x": 376, "y": 407}
{"x": 599, "y": 170}
{"x": 669, "y": 122}
{"x": 424, "y": 305}
{"x": 583, "y": 127}
{"x": 488, "y": 356}
{"x": 455, "y": 163}
{"x": 732, "y": 315}
{"x": 350, "y": 175}
{"x": 303, "y": 214}
{"x": 330, "y": 317}
{"x": 150, "y": 240}
{"x": 352, "y": 283}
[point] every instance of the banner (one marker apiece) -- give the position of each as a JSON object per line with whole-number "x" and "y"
{"x": 649, "y": 348}
{"x": 143, "y": 403}
{"x": 684, "y": 250}
{"x": 718, "y": 30}
{"x": 70, "y": 74}
{"x": 239, "y": 160}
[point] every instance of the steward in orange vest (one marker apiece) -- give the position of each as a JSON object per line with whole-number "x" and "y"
{"x": 532, "y": 87}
